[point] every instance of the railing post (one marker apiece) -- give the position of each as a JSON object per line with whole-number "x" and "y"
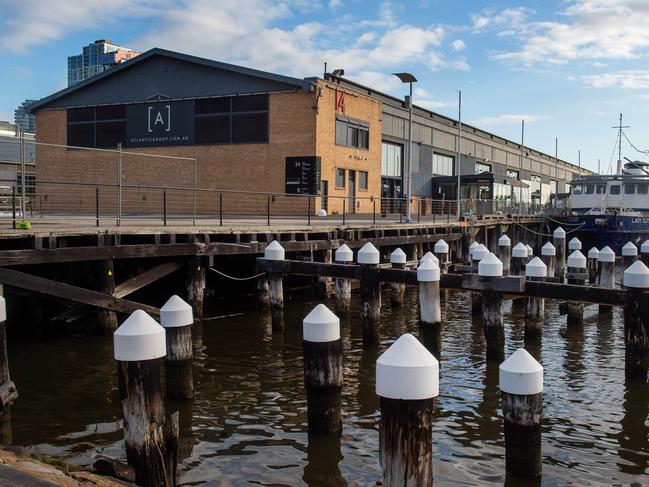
{"x": 194, "y": 191}
{"x": 164, "y": 207}
{"x": 13, "y": 205}
{"x": 344, "y": 204}
{"x": 23, "y": 186}
{"x": 268, "y": 211}
{"x": 418, "y": 211}
{"x": 308, "y": 211}
{"x": 373, "y": 211}
{"x": 119, "y": 184}
{"x": 97, "y": 204}
{"x": 221, "y": 209}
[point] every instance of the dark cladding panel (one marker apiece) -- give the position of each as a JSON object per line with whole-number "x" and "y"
{"x": 160, "y": 124}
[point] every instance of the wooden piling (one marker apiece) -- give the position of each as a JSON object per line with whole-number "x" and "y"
{"x": 521, "y": 383}
{"x": 505, "y": 253}
{"x": 263, "y": 298}
{"x": 559, "y": 241}
{"x": 398, "y": 289}
{"x": 8, "y": 392}
{"x": 441, "y": 251}
{"x": 274, "y": 251}
{"x": 636, "y": 322}
{"x": 368, "y": 259}
{"x": 644, "y": 252}
{"x": 606, "y": 260}
{"x": 343, "y": 255}
{"x": 576, "y": 275}
{"x": 535, "y": 270}
{"x": 492, "y": 309}
{"x": 574, "y": 244}
{"x": 177, "y": 319}
{"x": 548, "y": 256}
{"x": 139, "y": 346}
{"x": 479, "y": 253}
{"x": 407, "y": 380}
{"x": 105, "y": 271}
{"x": 519, "y": 259}
{"x": 323, "y": 370}
{"x": 430, "y": 311}
{"x": 196, "y": 280}
{"x": 629, "y": 254}
{"x": 593, "y": 254}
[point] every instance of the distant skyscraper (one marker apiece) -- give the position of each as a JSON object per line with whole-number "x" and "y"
{"x": 96, "y": 57}
{"x": 26, "y": 120}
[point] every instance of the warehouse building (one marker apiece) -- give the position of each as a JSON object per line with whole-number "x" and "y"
{"x": 255, "y": 131}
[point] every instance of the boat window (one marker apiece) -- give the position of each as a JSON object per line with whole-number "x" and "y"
{"x": 601, "y": 189}
{"x": 629, "y": 189}
{"x": 643, "y": 188}
{"x": 590, "y": 189}
{"x": 615, "y": 189}
{"x": 576, "y": 189}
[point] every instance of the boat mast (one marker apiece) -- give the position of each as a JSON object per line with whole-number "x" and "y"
{"x": 619, "y": 150}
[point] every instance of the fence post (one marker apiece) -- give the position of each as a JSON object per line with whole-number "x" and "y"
{"x": 97, "y": 204}
{"x": 344, "y": 203}
{"x": 308, "y": 211}
{"x": 119, "y": 183}
{"x": 13, "y": 205}
{"x": 23, "y": 176}
{"x": 373, "y": 211}
{"x": 268, "y": 211}
{"x": 164, "y": 207}
{"x": 221, "y": 209}
{"x": 194, "y": 191}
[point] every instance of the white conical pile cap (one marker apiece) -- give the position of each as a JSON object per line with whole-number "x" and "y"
{"x": 472, "y": 247}
{"x": 536, "y": 268}
{"x": 593, "y": 253}
{"x": 637, "y": 275}
{"x": 480, "y": 252}
{"x": 274, "y": 251}
{"x": 548, "y": 249}
{"x": 574, "y": 244}
{"x": 504, "y": 241}
{"x": 490, "y": 266}
{"x": 519, "y": 250}
{"x": 3, "y": 309}
{"x": 139, "y": 338}
{"x": 398, "y": 257}
{"x": 644, "y": 248}
{"x": 344, "y": 254}
{"x": 321, "y": 325}
{"x": 429, "y": 256}
{"x": 441, "y": 247}
{"x": 428, "y": 271}
{"x": 520, "y": 374}
{"x": 530, "y": 250}
{"x": 577, "y": 260}
{"x": 559, "y": 233}
{"x": 407, "y": 370}
{"x": 606, "y": 255}
{"x": 629, "y": 249}
{"x": 176, "y": 312}
{"x": 368, "y": 254}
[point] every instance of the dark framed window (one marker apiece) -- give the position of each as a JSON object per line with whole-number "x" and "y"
{"x": 629, "y": 189}
{"x": 615, "y": 189}
{"x": 232, "y": 120}
{"x": 601, "y": 188}
{"x": 362, "y": 180}
{"x": 101, "y": 127}
{"x": 643, "y": 188}
{"x": 590, "y": 189}
{"x": 352, "y": 133}
{"x": 340, "y": 178}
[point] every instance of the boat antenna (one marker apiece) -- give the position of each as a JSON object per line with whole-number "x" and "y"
{"x": 619, "y": 158}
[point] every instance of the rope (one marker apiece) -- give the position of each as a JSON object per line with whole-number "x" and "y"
{"x": 544, "y": 234}
{"x": 561, "y": 223}
{"x": 631, "y": 144}
{"x": 237, "y": 278}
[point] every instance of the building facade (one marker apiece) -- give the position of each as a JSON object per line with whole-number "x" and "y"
{"x": 24, "y": 119}
{"x": 96, "y": 58}
{"x": 259, "y": 132}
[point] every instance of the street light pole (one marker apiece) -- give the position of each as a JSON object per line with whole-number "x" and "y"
{"x": 410, "y": 79}
{"x": 459, "y": 149}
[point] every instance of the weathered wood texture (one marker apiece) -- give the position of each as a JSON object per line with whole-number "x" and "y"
{"x": 606, "y": 281}
{"x": 592, "y": 271}
{"x": 147, "y": 277}
{"x": 560, "y": 261}
{"x": 196, "y": 281}
{"x": 518, "y": 266}
{"x": 522, "y": 415}
{"x": 505, "y": 256}
{"x": 576, "y": 309}
{"x": 636, "y": 334}
{"x": 178, "y": 361}
{"x": 492, "y": 324}
{"x": 8, "y": 391}
{"x": 406, "y": 442}
{"x": 370, "y": 287}
{"x": 276, "y": 295}
{"x": 550, "y": 262}
{"x": 263, "y": 297}
{"x": 105, "y": 275}
{"x": 343, "y": 295}
{"x": 534, "y": 314}
{"x": 397, "y": 289}
{"x": 323, "y": 380}
{"x": 430, "y": 310}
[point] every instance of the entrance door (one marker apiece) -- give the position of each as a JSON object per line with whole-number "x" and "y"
{"x": 351, "y": 192}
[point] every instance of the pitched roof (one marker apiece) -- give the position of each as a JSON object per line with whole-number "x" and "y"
{"x": 156, "y": 51}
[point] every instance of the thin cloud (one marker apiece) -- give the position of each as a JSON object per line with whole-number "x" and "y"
{"x": 632, "y": 79}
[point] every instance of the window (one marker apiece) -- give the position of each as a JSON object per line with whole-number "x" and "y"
{"x": 553, "y": 186}
{"x": 101, "y": 127}
{"x": 512, "y": 174}
{"x": 352, "y": 133}
{"x": 615, "y": 189}
{"x": 600, "y": 188}
{"x": 590, "y": 189}
{"x": 480, "y": 168}
{"x": 232, "y": 120}
{"x": 577, "y": 189}
{"x": 642, "y": 188}
{"x": 340, "y": 178}
{"x": 629, "y": 189}
{"x": 443, "y": 165}
{"x": 391, "y": 160}
{"x": 362, "y": 180}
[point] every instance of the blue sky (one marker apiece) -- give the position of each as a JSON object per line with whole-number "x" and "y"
{"x": 567, "y": 67}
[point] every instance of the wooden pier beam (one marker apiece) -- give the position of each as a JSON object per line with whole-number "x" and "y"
{"x": 177, "y": 319}
{"x": 323, "y": 370}
{"x": 368, "y": 258}
{"x": 407, "y": 380}
{"x": 398, "y": 289}
{"x": 521, "y": 383}
{"x": 576, "y": 275}
{"x": 636, "y": 322}
{"x": 492, "y": 308}
{"x": 593, "y": 254}
{"x": 343, "y": 255}
{"x": 606, "y": 260}
{"x": 505, "y": 253}
{"x": 535, "y": 270}
{"x": 559, "y": 241}
{"x": 139, "y": 346}
{"x": 274, "y": 251}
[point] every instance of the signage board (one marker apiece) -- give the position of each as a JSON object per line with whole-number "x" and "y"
{"x": 303, "y": 175}
{"x": 160, "y": 124}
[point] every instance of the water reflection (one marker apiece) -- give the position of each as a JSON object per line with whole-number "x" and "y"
{"x": 634, "y": 436}
{"x": 323, "y": 456}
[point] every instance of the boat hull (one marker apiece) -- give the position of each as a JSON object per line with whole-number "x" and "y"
{"x": 607, "y": 230}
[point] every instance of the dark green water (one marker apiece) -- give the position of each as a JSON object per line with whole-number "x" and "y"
{"x": 247, "y": 424}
